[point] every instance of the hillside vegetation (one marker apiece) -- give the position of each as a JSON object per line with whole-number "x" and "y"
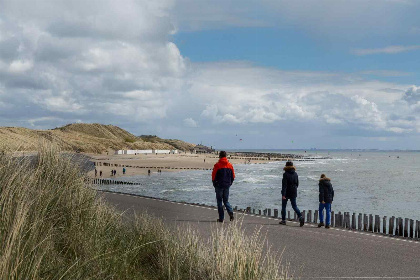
{"x": 90, "y": 138}
{"x": 54, "y": 226}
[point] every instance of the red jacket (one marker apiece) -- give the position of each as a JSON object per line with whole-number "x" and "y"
{"x": 223, "y": 174}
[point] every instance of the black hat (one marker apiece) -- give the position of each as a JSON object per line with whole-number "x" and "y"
{"x": 289, "y": 163}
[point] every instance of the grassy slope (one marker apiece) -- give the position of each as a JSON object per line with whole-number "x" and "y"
{"x": 93, "y": 138}
{"x": 53, "y": 226}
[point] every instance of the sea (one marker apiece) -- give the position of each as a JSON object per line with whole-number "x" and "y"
{"x": 385, "y": 183}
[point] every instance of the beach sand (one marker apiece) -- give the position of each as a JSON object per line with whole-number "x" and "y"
{"x": 140, "y": 164}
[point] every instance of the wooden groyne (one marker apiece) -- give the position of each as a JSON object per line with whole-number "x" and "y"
{"x": 100, "y": 181}
{"x": 99, "y": 163}
{"x": 392, "y": 226}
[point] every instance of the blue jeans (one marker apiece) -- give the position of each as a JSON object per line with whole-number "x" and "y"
{"x": 327, "y": 207}
{"x": 222, "y": 197}
{"x": 294, "y": 206}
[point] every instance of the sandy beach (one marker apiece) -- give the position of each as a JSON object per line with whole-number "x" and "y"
{"x": 140, "y": 164}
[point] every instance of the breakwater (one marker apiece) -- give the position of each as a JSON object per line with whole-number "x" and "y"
{"x": 392, "y": 226}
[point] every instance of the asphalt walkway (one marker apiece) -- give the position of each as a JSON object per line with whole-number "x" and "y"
{"x": 314, "y": 253}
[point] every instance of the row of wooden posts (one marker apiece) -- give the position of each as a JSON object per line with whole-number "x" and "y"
{"x": 96, "y": 181}
{"x": 394, "y": 226}
{"x": 148, "y": 167}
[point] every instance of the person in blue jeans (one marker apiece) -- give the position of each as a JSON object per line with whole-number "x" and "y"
{"x": 326, "y": 196}
{"x": 222, "y": 177}
{"x": 289, "y": 185}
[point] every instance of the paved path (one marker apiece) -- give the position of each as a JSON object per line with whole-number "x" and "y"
{"x": 316, "y": 253}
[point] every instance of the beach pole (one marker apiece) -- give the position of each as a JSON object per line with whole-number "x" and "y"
{"x": 400, "y": 226}
{"x": 411, "y": 228}
{"x": 406, "y": 227}
{"x": 316, "y": 217}
{"x": 303, "y": 214}
{"x": 309, "y": 216}
{"x": 288, "y": 215}
{"x": 370, "y": 223}
{"x": 259, "y": 212}
{"x": 276, "y": 213}
{"x": 365, "y": 222}
{"x": 332, "y": 219}
{"x": 248, "y": 209}
{"x": 253, "y": 211}
{"x": 391, "y": 225}
{"x": 376, "y": 228}
{"x": 384, "y": 225}
{"x": 269, "y": 212}
{"x": 359, "y": 222}
{"x": 353, "y": 221}
{"x": 294, "y": 216}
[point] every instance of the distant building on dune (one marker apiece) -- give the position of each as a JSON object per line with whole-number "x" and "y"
{"x": 137, "y": 152}
{"x": 201, "y": 149}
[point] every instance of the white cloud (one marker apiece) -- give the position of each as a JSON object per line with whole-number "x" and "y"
{"x": 386, "y": 50}
{"x": 189, "y": 122}
{"x": 19, "y": 66}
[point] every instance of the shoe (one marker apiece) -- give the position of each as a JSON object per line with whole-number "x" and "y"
{"x": 321, "y": 225}
{"x": 231, "y": 217}
{"x": 302, "y": 221}
{"x": 327, "y": 226}
{"x": 220, "y": 221}
{"x": 282, "y": 223}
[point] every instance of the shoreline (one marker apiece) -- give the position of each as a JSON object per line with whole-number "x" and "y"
{"x": 141, "y": 164}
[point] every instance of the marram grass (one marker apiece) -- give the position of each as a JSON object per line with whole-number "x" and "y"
{"x": 54, "y": 226}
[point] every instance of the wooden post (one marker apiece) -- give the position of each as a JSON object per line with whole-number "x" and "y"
{"x": 359, "y": 222}
{"x": 384, "y": 225}
{"x": 248, "y": 209}
{"x": 418, "y": 229}
{"x": 265, "y": 212}
{"x": 400, "y": 226}
{"x": 353, "y": 221}
{"x": 236, "y": 208}
{"x": 294, "y": 216}
{"x": 309, "y": 219}
{"x": 377, "y": 221}
{"x": 253, "y": 211}
{"x": 316, "y": 217}
{"x": 269, "y": 212}
{"x": 405, "y": 227}
{"x": 303, "y": 214}
{"x": 288, "y": 215}
{"x": 391, "y": 225}
{"x": 348, "y": 226}
{"x": 365, "y": 222}
{"x": 332, "y": 219}
{"x": 276, "y": 213}
{"x": 411, "y": 228}
{"x": 337, "y": 220}
{"x": 259, "y": 212}
{"x": 370, "y": 223}
{"x": 397, "y": 225}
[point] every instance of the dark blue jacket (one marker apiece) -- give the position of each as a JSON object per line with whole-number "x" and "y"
{"x": 326, "y": 191}
{"x": 223, "y": 174}
{"x": 290, "y": 182}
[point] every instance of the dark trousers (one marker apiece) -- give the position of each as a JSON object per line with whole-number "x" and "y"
{"x": 294, "y": 206}
{"x": 222, "y": 197}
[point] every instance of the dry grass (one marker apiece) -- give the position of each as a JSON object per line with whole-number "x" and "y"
{"x": 90, "y": 138}
{"x": 52, "y": 226}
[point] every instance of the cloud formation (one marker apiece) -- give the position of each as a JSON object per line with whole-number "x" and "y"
{"x": 386, "y": 50}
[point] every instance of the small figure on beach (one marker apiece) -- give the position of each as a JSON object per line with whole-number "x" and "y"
{"x": 326, "y": 196}
{"x": 100, "y": 173}
{"x": 115, "y": 172}
{"x": 289, "y": 186}
{"x": 123, "y": 170}
{"x": 96, "y": 172}
{"x": 148, "y": 172}
{"x": 112, "y": 172}
{"x": 204, "y": 160}
{"x": 223, "y": 176}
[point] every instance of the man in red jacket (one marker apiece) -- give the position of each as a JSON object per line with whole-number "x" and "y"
{"x": 222, "y": 177}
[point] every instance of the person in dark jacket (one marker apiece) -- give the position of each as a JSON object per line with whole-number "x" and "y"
{"x": 222, "y": 176}
{"x": 326, "y": 196}
{"x": 289, "y": 186}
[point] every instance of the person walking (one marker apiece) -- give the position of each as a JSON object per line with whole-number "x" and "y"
{"x": 326, "y": 196}
{"x": 123, "y": 170}
{"x": 223, "y": 176}
{"x": 289, "y": 186}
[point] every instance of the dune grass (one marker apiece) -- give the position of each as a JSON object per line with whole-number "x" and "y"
{"x": 53, "y": 226}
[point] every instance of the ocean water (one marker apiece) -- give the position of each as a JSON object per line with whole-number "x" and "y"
{"x": 375, "y": 182}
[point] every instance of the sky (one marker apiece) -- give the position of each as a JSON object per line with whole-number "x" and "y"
{"x": 326, "y": 74}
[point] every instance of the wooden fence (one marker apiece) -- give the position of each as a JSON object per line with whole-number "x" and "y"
{"x": 98, "y": 181}
{"x": 393, "y": 226}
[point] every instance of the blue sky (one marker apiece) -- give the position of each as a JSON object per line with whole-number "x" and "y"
{"x": 277, "y": 74}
